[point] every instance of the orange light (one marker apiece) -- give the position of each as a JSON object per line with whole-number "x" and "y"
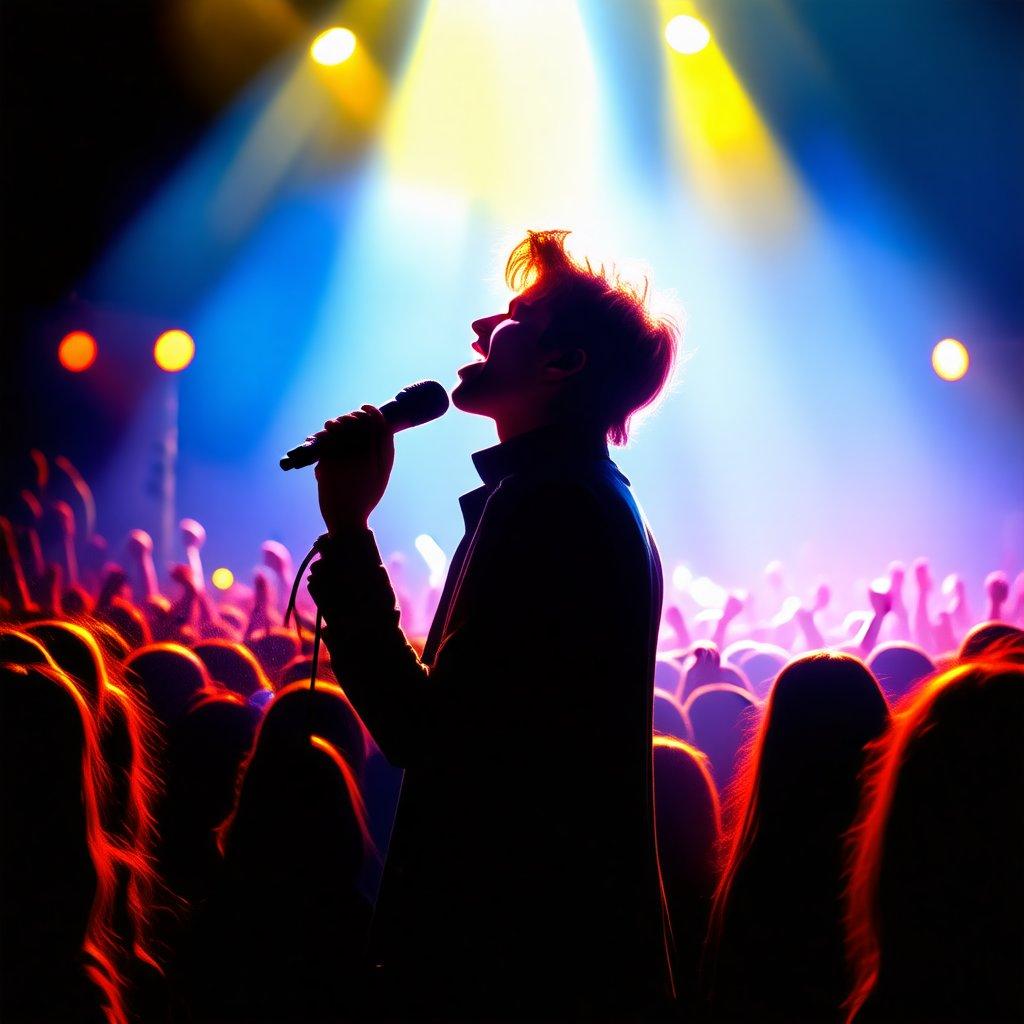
{"x": 174, "y": 350}
{"x": 77, "y": 351}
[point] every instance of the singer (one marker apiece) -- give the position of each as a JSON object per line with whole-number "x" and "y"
{"x": 522, "y": 878}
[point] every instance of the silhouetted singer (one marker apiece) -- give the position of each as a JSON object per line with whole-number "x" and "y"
{"x": 522, "y": 878}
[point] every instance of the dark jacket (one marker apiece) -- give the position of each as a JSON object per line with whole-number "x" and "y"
{"x": 522, "y": 877}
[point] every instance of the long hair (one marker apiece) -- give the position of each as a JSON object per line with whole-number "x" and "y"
{"x": 130, "y": 743}
{"x": 99, "y": 944}
{"x": 935, "y": 901}
{"x": 794, "y": 798}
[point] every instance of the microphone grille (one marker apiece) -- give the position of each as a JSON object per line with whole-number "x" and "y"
{"x": 422, "y": 402}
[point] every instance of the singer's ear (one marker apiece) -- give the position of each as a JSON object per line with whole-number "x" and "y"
{"x": 563, "y": 364}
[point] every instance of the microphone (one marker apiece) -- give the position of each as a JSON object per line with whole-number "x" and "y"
{"x": 412, "y": 406}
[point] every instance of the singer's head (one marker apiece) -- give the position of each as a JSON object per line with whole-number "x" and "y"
{"x": 576, "y": 345}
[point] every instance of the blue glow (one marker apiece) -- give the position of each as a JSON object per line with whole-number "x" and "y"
{"x": 806, "y": 427}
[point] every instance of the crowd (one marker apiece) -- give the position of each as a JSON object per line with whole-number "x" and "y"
{"x": 193, "y": 832}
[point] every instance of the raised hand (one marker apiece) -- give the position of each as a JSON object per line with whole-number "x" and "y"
{"x": 140, "y": 548}
{"x": 352, "y": 481}
{"x": 674, "y": 617}
{"x": 114, "y": 585}
{"x": 961, "y": 613}
{"x": 734, "y": 604}
{"x": 922, "y": 626}
{"x": 997, "y": 587}
{"x": 193, "y": 537}
{"x": 897, "y": 575}
{"x": 278, "y": 559}
{"x": 881, "y": 605}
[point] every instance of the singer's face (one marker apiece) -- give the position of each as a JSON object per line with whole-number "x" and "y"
{"x": 509, "y": 373}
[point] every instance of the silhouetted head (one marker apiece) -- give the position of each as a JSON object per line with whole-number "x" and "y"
{"x": 899, "y": 667}
{"x": 988, "y": 638}
{"x": 205, "y": 750}
{"x": 114, "y": 645}
{"x": 77, "y": 653}
{"x": 688, "y": 832}
{"x": 297, "y": 712}
{"x": 809, "y": 748}
{"x": 20, "y": 648}
{"x": 777, "y": 916}
{"x": 936, "y": 900}
{"x": 576, "y": 344}
{"x": 300, "y": 668}
{"x": 299, "y": 806}
{"x": 688, "y": 816}
{"x": 233, "y": 665}
{"x": 274, "y": 648}
{"x": 128, "y": 621}
{"x": 761, "y": 667}
{"x": 669, "y": 719}
{"x": 721, "y": 716}
{"x": 171, "y": 677}
{"x": 58, "y": 880}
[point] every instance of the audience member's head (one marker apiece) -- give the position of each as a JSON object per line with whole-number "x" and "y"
{"x": 762, "y": 666}
{"x": 688, "y": 831}
{"x": 274, "y": 648}
{"x": 171, "y": 677}
{"x": 669, "y": 719}
{"x": 721, "y": 716}
{"x": 59, "y": 960}
{"x": 936, "y": 898}
{"x": 899, "y": 667}
{"x": 128, "y": 621}
{"x": 233, "y": 665}
{"x": 777, "y": 943}
{"x": 984, "y": 637}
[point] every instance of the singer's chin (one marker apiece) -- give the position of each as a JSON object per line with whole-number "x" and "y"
{"x": 462, "y": 396}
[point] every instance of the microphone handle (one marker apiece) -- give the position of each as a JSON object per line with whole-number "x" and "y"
{"x": 315, "y": 447}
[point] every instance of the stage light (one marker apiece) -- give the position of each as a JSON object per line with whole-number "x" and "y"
{"x": 174, "y": 350}
{"x": 686, "y": 34}
{"x": 950, "y": 359}
{"x": 333, "y": 46}
{"x": 77, "y": 351}
{"x": 222, "y": 579}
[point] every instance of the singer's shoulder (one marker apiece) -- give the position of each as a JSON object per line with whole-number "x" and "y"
{"x": 570, "y": 498}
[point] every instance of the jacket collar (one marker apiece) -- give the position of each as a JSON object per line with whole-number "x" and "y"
{"x": 542, "y": 448}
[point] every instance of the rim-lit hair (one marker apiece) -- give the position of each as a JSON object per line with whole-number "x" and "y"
{"x": 100, "y": 941}
{"x": 630, "y": 351}
{"x": 939, "y": 726}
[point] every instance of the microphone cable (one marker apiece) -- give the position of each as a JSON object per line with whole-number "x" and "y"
{"x": 292, "y": 612}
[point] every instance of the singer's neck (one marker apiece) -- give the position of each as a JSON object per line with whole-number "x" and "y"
{"x": 516, "y": 426}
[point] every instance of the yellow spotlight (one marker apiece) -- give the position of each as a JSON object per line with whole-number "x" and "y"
{"x": 686, "y": 34}
{"x": 222, "y": 579}
{"x": 333, "y": 46}
{"x": 77, "y": 351}
{"x": 174, "y": 350}
{"x": 950, "y": 359}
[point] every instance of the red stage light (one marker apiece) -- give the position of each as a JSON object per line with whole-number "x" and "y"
{"x": 77, "y": 351}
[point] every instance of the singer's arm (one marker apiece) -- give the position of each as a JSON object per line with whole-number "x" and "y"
{"x": 379, "y": 671}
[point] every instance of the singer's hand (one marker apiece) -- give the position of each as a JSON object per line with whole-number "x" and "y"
{"x": 352, "y": 482}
